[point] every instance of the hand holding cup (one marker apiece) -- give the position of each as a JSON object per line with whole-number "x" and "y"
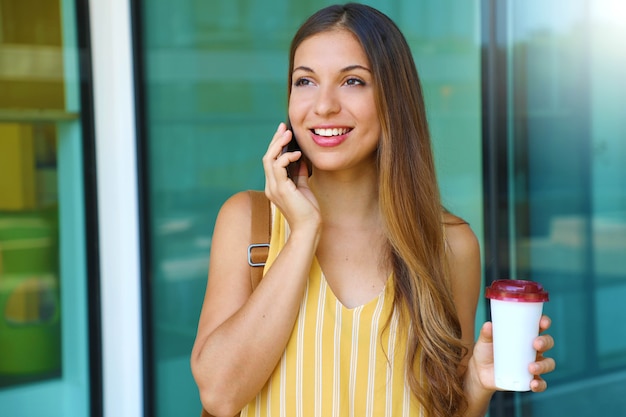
{"x": 516, "y": 311}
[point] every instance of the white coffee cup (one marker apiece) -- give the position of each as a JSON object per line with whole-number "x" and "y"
{"x": 516, "y": 308}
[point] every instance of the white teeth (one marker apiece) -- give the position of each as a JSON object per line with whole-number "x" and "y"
{"x": 330, "y": 132}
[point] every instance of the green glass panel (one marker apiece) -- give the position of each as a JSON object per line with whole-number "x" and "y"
{"x": 568, "y": 144}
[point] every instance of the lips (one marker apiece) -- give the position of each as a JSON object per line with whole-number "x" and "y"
{"x": 328, "y": 137}
{"x": 335, "y": 131}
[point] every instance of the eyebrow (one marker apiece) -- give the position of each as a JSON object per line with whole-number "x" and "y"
{"x": 345, "y": 69}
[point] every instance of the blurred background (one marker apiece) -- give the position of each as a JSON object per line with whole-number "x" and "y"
{"x": 527, "y": 107}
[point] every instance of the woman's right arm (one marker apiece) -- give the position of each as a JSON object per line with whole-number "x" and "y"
{"x": 242, "y": 334}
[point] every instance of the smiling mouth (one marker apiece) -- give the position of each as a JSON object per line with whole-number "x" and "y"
{"x": 331, "y": 132}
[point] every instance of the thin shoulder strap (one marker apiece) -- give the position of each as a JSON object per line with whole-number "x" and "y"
{"x": 260, "y": 228}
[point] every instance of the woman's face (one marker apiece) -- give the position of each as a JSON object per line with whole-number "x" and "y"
{"x": 332, "y": 106}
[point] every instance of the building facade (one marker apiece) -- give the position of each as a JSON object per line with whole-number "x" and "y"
{"x": 125, "y": 124}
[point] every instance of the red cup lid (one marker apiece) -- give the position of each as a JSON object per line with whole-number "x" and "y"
{"x": 516, "y": 290}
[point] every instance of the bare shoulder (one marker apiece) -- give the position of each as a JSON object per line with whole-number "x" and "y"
{"x": 234, "y": 208}
{"x": 462, "y": 244}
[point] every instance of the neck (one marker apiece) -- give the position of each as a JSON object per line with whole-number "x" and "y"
{"x": 347, "y": 198}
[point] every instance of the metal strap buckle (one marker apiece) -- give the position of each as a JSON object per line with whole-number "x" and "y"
{"x": 252, "y": 246}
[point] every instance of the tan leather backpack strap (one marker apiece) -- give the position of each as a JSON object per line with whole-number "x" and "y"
{"x": 260, "y": 228}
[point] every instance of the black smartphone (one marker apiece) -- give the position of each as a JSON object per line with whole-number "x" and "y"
{"x": 293, "y": 145}
{"x": 292, "y": 168}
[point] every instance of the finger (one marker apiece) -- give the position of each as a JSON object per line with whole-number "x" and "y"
{"x": 277, "y": 180}
{"x": 538, "y": 385}
{"x": 486, "y": 333}
{"x": 542, "y": 366}
{"x": 543, "y": 343}
{"x": 301, "y": 176}
{"x": 274, "y": 149}
{"x": 544, "y": 323}
{"x": 276, "y": 169}
{"x": 279, "y": 140}
{"x": 281, "y": 163}
{"x": 280, "y": 130}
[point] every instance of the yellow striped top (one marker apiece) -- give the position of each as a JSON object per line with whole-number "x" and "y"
{"x": 336, "y": 363}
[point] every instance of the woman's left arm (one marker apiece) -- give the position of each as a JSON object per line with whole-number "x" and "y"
{"x": 466, "y": 280}
{"x": 463, "y": 255}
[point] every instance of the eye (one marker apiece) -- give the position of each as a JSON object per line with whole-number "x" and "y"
{"x": 355, "y": 81}
{"x": 301, "y": 82}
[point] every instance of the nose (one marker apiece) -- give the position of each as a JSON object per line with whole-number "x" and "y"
{"x": 327, "y": 101}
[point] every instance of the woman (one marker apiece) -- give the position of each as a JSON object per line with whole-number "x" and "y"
{"x": 369, "y": 295}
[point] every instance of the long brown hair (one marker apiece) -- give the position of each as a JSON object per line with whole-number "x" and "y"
{"x": 410, "y": 205}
